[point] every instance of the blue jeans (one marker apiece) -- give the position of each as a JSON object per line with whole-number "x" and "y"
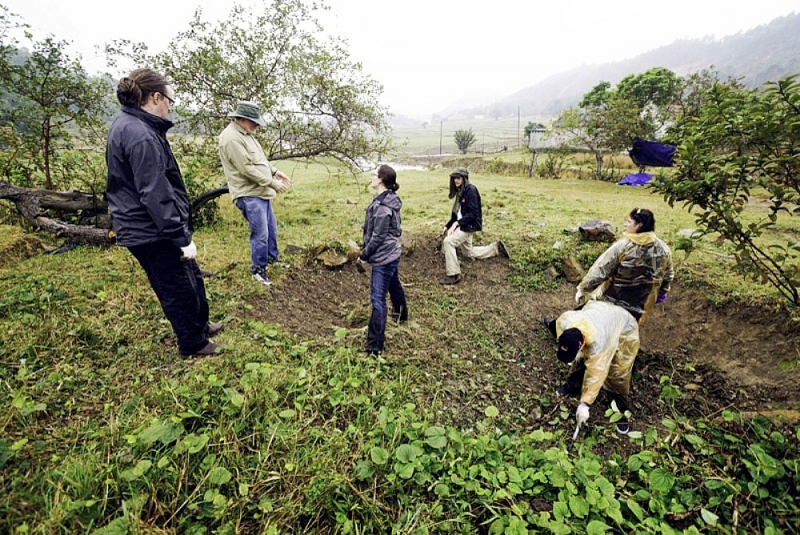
{"x": 179, "y": 287}
{"x": 385, "y": 279}
{"x": 263, "y": 229}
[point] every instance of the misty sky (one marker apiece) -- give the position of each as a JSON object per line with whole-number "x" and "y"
{"x": 431, "y": 53}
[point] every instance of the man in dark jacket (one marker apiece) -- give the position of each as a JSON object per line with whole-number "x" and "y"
{"x": 466, "y": 219}
{"x": 150, "y": 210}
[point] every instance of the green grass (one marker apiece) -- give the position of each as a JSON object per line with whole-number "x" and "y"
{"x": 104, "y": 428}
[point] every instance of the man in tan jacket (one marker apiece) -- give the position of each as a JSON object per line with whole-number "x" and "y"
{"x": 253, "y": 183}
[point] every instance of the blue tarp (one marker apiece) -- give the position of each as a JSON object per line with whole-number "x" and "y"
{"x": 636, "y": 179}
{"x": 651, "y": 153}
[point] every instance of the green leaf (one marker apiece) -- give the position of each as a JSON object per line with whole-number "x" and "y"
{"x": 166, "y": 432}
{"x": 287, "y": 414}
{"x": 491, "y": 411}
{"x": 635, "y": 508}
{"x": 340, "y": 333}
{"x": 379, "y": 456}
{"x": 219, "y": 476}
{"x": 405, "y": 453}
{"x": 404, "y": 470}
{"x": 195, "y": 443}
{"x": 364, "y": 469}
{"x": 579, "y": 506}
{"x": 441, "y": 490}
{"x": 596, "y": 527}
{"x": 661, "y": 480}
{"x": 708, "y": 517}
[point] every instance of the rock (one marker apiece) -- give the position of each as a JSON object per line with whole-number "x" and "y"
{"x": 550, "y": 273}
{"x": 352, "y": 201}
{"x": 596, "y": 230}
{"x": 408, "y": 242}
{"x": 558, "y": 245}
{"x": 572, "y": 269}
{"x": 353, "y": 250}
{"x": 292, "y": 249}
{"x": 691, "y": 387}
{"x": 571, "y": 230}
{"x": 533, "y": 235}
{"x": 331, "y": 259}
{"x": 688, "y": 233}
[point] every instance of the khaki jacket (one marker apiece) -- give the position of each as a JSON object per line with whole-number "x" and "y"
{"x": 247, "y": 170}
{"x": 611, "y": 342}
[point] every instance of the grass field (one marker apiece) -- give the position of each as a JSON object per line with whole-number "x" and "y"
{"x": 104, "y": 429}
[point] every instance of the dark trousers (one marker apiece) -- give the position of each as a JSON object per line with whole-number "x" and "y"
{"x": 385, "y": 279}
{"x": 178, "y": 284}
{"x": 574, "y": 384}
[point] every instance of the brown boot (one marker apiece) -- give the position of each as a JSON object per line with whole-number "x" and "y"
{"x": 215, "y": 328}
{"x": 449, "y": 280}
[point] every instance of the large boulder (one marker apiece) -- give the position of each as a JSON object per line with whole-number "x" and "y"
{"x": 596, "y": 230}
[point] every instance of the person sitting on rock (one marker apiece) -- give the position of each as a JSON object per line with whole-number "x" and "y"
{"x": 465, "y": 220}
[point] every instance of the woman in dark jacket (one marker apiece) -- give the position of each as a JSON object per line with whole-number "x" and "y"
{"x": 150, "y": 210}
{"x": 382, "y": 250}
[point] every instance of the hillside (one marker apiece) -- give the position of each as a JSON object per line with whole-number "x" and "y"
{"x": 765, "y": 53}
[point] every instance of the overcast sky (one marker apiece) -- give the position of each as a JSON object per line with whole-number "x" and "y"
{"x": 430, "y": 53}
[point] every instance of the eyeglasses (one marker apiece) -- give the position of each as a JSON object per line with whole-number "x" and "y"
{"x": 171, "y": 102}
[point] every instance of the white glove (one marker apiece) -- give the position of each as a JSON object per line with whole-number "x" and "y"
{"x": 578, "y": 297}
{"x": 582, "y": 414}
{"x": 189, "y": 252}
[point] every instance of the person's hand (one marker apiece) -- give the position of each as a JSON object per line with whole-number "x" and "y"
{"x": 662, "y": 298}
{"x": 279, "y": 185}
{"x": 452, "y": 228}
{"x": 361, "y": 265}
{"x": 189, "y": 252}
{"x": 578, "y": 297}
{"x": 582, "y": 414}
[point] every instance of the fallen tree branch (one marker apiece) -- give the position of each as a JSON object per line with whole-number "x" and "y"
{"x": 32, "y": 203}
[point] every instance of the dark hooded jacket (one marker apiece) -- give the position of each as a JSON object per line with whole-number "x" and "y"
{"x": 470, "y": 203}
{"x": 382, "y": 229}
{"x": 145, "y": 191}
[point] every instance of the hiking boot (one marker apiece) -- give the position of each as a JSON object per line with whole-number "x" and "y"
{"x": 260, "y": 274}
{"x": 550, "y": 323}
{"x": 215, "y": 328}
{"x": 209, "y": 349}
{"x": 501, "y": 249}
{"x": 449, "y": 280}
{"x": 623, "y": 428}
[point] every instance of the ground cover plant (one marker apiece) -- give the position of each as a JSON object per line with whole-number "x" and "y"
{"x": 455, "y": 429}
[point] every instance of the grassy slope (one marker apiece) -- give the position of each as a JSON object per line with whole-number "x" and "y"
{"x": 102, "y": 422}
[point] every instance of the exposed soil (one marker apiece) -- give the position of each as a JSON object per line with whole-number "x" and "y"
{"x": 482, "y": 343}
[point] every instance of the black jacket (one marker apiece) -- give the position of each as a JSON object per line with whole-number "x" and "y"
{"x": 145, "y": 191}
{"x": 382, "y": 229}
{"x": 471, "y": 215}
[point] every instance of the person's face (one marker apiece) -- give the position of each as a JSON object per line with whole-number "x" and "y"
{"x": 458, "y": 181}
{"x": 376, "y": 181}
{"x": 162, "y": 102}
{"x": 630, "y": 226}
{"x": 247, "y": 124}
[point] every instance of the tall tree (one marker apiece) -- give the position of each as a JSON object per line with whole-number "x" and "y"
{"x": 316, "y": 100}
{"x": 47, "y": 97}
{"x": 736, "y": 141}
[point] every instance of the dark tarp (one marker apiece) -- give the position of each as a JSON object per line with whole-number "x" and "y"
{"x": 637, "y": 179}
{"x": 651, "y": 153}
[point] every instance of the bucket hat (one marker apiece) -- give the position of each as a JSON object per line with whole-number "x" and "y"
{"x": 248, "y": 110}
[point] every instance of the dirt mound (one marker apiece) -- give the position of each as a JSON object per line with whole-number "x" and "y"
{"x": 482, "y": 343}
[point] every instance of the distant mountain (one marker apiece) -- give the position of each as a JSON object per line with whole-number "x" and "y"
{"x": 765, "y": 53}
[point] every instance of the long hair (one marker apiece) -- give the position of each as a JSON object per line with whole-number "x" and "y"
{"x": 136, "y": 88}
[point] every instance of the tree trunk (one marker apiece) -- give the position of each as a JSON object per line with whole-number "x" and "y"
{"x": 209, "y": 196}
{"x": 31, "y": 204}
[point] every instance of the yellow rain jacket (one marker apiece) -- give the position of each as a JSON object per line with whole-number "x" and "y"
{"x": 631, "y": 273}
{"x": 611, "y": 342}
